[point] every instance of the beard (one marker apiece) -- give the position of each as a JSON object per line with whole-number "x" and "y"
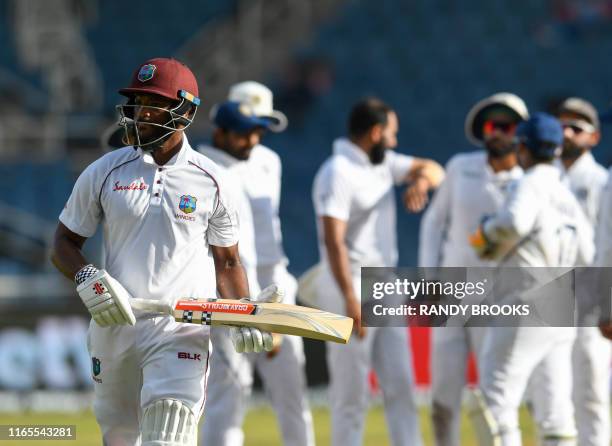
{"x": 377, "y": 153}
{"x": 498, "y": 148}
{"x": 147, "y": 134}
{"x": 571, "y": 150}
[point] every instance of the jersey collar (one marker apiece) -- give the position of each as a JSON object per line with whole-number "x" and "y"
{"x": 344, "y": 147}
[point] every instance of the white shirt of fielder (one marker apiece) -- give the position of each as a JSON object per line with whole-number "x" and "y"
{"x": 586, "y": 178}
{"x": 540, "y": 211}
{"x": 470, "y": 190}
{"x": 152, "y": 215}
{"x": 261, "y": 174}
{"x": 603, "y": 236}
{"x": 350, "y": 188}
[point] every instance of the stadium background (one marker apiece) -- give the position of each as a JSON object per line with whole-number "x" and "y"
{"x": 62, "y": 61}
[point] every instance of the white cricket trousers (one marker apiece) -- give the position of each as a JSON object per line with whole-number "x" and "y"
{"x": 450, "y": 349}
{"x": 387, "y": 351}
{"x": 283, "y": 377}
{"x": 134, "y": 366}
{"x": 509, "y": 357}
{"x": 591, "y": 361}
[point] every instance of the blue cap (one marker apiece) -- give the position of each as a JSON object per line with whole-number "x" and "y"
{"x": 238, "y": 117}
{"x": 542, "y": 134}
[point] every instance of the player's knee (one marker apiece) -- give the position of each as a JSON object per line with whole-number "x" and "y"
{"x": 118, "y": 426}
{"x": 168, "y": 422}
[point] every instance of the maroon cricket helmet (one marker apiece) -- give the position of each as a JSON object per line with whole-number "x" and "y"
{"x": 164, "y": 77}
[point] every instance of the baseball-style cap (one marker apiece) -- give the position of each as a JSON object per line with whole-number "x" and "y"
{"x": 582, "y": 108}
{"x": 165, "y": 77}
{"x": 259, "y": 98}
{"x": 542, "y": 134}
{"x": 237, "y": 117}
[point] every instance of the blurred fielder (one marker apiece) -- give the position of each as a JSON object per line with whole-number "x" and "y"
{"x": 164, "y": 211}
{"x": 475, "y": 184}
{"x": 547, "y": 228}
{"x": 354, "y": 203}
{"x": 592, "y": 352}
{"x": 240, "y": 124}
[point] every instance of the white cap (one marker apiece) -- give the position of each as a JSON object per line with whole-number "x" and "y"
{"x": 259, "y": 98}
{"x": 473, "y": 121}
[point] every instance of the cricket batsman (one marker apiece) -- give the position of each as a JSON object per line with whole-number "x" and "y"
{"x": 545, "y": 225}
{"x": 475, "y": 184}
{"x": 165, "y": 211}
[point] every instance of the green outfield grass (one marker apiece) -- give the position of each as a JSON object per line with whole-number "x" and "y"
{"x": 260, "y": 428}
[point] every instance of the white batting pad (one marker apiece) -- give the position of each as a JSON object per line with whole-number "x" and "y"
{"x": 168, "y": 423}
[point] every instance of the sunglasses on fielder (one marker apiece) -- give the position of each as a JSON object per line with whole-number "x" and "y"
{"x": 578, "y": 126}
{"x": 490, "y": 126}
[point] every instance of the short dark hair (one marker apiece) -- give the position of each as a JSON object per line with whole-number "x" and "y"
{"x": 365, "y": 114}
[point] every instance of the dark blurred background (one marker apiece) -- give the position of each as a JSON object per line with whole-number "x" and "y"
{"x": 62, "y": 61}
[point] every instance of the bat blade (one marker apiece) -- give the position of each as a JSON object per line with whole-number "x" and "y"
{"x": 274, "y": 317}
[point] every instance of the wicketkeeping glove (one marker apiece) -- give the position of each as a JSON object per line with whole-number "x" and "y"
{"x": 105, "y": 298}
{"x": 254, "y": 340}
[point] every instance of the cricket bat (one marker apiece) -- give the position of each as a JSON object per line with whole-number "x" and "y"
{"x": 273, "y": 317}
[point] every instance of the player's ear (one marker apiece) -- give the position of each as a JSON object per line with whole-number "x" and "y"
{"x": 595, "y": 137}
{"x": 376, "y": 133}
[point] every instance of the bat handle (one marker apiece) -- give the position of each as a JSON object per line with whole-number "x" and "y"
{"x": 151, "y": 306}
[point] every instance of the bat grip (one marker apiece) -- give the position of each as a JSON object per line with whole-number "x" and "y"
{"x": 151, "y": 306}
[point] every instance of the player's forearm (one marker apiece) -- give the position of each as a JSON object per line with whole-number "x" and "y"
{"x": 67, "y": 256}
{"x": 232, "y": 281}
{"x": 337, "y": 255}
{"x": 430, "y": 171}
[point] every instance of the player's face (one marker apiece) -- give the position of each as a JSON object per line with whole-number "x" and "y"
{"x": 386, "y": 140}
{"x": 240, "y": 145}
{"x": 498, "y": 133}
{"x": 578, "y": 135}
{"x": 153, "y": 109}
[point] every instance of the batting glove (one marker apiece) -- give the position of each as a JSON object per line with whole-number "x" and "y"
{"x": 105, "y": 298}
{"x": 251, "y": 339}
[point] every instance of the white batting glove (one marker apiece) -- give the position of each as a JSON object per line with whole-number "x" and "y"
{"x": 251, "y": 339}
{"x": 105, "y": 298}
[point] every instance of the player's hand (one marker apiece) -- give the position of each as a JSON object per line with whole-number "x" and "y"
{"x": 606, "y": 330}
{"x": 251, "y": 339}
{"x": 353, "y": 310}
{"x": 272, "y": 293}
{"x": 416, "y": 195}
{"x": 105, "y": 298}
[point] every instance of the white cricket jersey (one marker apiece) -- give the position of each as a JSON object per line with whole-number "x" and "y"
{"x": 350, "y": 188}
{"x": 470, "y": 190}
{"x": 262, "y": 179}
{"x": 232, "y": 172}
{"x": 544, "y": 221}
{"x": 158, "y": 221}
{"x": 586, "y": 179}
{"x": 603, "y": 236}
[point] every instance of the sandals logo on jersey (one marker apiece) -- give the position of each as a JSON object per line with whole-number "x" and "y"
{"x": 146, "y": 72}
{"x": 187, "y": 204}
{"x": 96, "y": 368}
